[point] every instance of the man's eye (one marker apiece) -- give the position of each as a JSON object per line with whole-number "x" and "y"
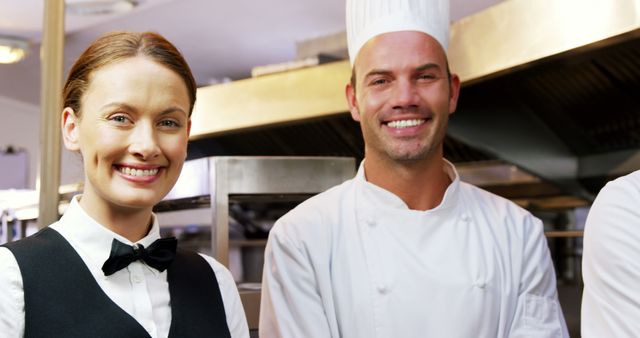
{"x": 427, "y": 77}
{"x": 169, "y": 123}
{"x": 378, "y": 82}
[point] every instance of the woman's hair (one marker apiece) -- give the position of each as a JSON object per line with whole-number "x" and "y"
{"x": 118, "y": 46}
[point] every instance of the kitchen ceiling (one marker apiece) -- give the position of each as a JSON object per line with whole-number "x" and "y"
{"x": 221, "y": 39}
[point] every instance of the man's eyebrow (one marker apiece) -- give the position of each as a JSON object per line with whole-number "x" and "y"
{"x": 172, "y": 110}
{"x": 375, "y": 72}
{"x": 427, "y": 66}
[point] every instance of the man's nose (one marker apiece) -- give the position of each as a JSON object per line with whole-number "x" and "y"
{"x": 404, "y": 95}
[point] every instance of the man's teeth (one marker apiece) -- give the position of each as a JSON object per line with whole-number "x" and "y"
{"x": 405, "y": 123}
{"x": 138, "y": 172}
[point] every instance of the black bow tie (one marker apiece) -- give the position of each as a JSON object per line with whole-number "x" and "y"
{"x": 158, "y": 255}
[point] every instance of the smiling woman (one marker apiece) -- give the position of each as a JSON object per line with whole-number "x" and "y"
{"x": 132, "y": 129}
{"x": 128, "y": 102}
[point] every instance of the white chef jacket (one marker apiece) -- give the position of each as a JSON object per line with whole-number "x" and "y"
{"x": 355, "y": 261}
{"x": 611, "y": 261}
{"x": 141, "y": 291}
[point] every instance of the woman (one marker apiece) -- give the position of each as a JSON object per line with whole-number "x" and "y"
{"x": 102, "y": 270}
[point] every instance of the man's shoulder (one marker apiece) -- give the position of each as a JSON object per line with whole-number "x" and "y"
{"x": 499, "y": 213}
{"x": 322, "y": 203}
{"x": 316, "y": 213}
{"x": 484, "y": 199}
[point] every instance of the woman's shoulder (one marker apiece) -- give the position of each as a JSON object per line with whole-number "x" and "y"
{"x": 7, "y": 262}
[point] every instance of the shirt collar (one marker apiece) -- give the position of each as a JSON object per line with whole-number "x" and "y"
{"x": 387, "y": 199}
{"x": 91, "y": 238}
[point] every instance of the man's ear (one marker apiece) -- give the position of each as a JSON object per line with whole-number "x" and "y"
{"x": 70, "y": 129}
{"x": 454, "y": 93}
{"x": 350, "y": 92}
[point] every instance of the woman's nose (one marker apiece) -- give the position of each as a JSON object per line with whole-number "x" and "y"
{"x": 144, "y": 144}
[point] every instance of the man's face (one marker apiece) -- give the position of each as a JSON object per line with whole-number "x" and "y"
{"x": 403, "y": 96}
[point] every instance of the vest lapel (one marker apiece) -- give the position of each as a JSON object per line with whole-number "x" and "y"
{"x": 197, "y": 309}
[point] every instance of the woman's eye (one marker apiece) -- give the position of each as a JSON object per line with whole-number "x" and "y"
{"x": 119, "y": 119}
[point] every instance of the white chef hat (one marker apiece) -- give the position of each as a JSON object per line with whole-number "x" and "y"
{"x": 369, "y": 18}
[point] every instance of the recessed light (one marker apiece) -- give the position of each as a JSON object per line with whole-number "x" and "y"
{"x": 13, "y": 49}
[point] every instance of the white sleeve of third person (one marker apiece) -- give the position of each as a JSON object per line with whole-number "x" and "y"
{"x": 611, "y": 262}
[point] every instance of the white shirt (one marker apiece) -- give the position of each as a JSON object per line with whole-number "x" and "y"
{"x": 141, "y": 291}
{"x": 611, "y": 261}
{"x": 355, "y": 261}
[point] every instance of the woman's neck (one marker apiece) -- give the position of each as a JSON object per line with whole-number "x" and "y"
{"x": 130, "y": 223}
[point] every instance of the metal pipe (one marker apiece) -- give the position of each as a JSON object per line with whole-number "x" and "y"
{"x": 51, "y": 56}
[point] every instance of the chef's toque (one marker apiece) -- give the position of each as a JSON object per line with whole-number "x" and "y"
{"x": 369, "y": 18}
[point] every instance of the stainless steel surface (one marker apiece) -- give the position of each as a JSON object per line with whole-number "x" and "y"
{"x": 52, "y": 53}
{"x": 517, "y": 32}
{"x": 277, "y": 98}
{"x": 267, "y": 175}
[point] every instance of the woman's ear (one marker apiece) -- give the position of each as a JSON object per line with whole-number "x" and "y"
{"x": 70, "y": 129}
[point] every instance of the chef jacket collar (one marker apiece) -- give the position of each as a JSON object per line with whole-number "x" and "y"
{"x": 387, "y": 200}
{"x": 92, "y": 238}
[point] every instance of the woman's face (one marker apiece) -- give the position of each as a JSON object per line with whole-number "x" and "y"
{"x": 132, "y": 132}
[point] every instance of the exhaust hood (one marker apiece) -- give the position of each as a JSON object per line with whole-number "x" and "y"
{"x": 548, "y": 86}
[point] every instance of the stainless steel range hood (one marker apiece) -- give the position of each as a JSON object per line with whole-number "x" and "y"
{"x": 517, "y": 33}
{"x": 544, "y": 85}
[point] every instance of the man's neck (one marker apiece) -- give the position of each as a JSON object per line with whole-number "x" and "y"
{"x": 421, "y": 184}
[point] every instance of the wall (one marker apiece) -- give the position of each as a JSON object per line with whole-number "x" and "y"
{"x": 20, "y": 127}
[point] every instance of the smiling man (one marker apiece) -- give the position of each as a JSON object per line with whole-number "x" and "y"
{"x": 405, "y": 249}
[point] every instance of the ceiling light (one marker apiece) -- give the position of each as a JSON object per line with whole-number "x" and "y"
{"x": 99, "y": 7}
{"x": 12, "y": 49}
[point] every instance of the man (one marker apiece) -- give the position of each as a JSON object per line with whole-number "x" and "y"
{"x": 405, "y": 249}
{"x": 611, "y": 261}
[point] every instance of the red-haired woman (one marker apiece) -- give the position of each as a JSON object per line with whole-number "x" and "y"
{"x": 102, "y": 270}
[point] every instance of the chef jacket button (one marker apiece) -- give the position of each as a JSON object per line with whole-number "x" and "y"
{"x": 383, "y": 289}
{"x": 480, "y": 284}
{"x": 465, "y": 217}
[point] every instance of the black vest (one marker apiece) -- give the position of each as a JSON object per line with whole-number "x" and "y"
{"x": 62, "y": 299}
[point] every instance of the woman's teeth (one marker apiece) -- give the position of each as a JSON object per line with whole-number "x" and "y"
{"x": 138, "y": 172}
{"x": 405, "y": 123}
